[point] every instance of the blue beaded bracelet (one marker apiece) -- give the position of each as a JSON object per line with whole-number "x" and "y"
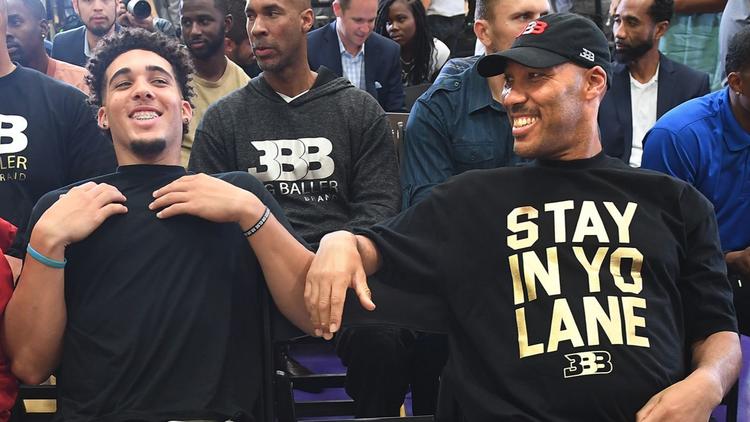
{"x": 53, "y": 263}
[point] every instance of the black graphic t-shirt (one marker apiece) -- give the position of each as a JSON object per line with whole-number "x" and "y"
{"x": 48, "y": 139}
{"x": 573, "y": 288}
{"x": 164, "y": 317}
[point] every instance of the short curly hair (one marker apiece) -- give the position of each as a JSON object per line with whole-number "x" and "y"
{"x": 113, "y": 46}
{"x": 738, "y": 52}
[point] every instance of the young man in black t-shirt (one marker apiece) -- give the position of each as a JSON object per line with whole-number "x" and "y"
{"x": 588, "y": 291}
{"x": 140, "y": 289}
{"x": 48, "y": 139}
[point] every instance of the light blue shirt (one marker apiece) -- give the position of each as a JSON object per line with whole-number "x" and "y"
{"x": 353, "y": 67}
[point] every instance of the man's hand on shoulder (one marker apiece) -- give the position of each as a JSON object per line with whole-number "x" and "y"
{"x": 690, "y": 400}
{"x": 209, "y": 198}
{"x": 76, "y": 215}
{"x": 336, "y": 267}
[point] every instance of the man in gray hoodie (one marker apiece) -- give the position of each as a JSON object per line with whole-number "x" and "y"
{"x": 323, "y": 149}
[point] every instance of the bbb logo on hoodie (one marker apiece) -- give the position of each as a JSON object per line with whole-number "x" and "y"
{"x": 297, "y": 167}
{"x": 12, "y": 165}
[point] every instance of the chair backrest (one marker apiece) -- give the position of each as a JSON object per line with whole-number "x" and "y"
{"x": 397, "y": 122}
{"x": 412, "y": 93}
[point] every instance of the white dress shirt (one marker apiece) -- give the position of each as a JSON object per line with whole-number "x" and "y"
{"x": 643, "y": 111}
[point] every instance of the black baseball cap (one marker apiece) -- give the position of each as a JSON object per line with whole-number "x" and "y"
{"x": 551, "y": 40}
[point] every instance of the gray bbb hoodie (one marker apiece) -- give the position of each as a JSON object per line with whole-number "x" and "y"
{"x": 327, "y": 156}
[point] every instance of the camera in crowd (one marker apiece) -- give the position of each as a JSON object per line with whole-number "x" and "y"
{"x": 140, "y": 9}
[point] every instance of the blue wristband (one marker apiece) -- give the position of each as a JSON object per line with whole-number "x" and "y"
{"x": 53, "y": 263}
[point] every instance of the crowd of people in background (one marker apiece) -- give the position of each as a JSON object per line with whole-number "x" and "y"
{"x": 122, "y": 260}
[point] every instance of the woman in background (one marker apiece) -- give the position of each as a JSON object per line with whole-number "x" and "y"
{"x": 405, "y": 22}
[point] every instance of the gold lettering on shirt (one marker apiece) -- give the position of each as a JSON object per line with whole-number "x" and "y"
{"x": 515, "y": 273}
{"x": 622, "y": 220}
{"x": 592, "y": 268}
{"x": 609, "y": 321}
{"x": 581, "y": 316}
{"x": 548, "y": 277}
{"x": 615, "y": 267}
{"x": 558, "y": 211}
{"x": 629, "y": 304}
{"x": 590, "y": 224}
{"x": 13, "y": 167}
{"x": 528, "y": 226}
{"x": 563, "y": 326}
{"x": 524, "y": 349}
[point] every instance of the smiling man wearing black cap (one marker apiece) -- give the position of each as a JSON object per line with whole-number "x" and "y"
{"x": 598, "y": 292}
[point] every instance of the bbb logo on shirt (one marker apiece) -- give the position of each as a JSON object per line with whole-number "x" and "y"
{"x": 293, "y": 159}
{"x": 596, "y": 362}
{"x": 12, "y": 127}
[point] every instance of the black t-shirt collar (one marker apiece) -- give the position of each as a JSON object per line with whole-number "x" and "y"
{"x": 10, "y": 77}
{"x": 155, "y": 169}
{"x": 599, "y": 160}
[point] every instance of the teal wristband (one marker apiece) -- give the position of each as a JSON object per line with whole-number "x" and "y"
{"x": 53, "y": 263}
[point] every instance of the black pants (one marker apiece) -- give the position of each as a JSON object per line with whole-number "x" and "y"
{"x": 447, "y": 29}
{"x": 382, "y": 362}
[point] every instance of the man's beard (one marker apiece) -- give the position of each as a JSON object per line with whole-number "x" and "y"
{"x": 19, "y": 57}
{"x": 212, "y": 46}
{"x": 98, "y": 30}
{"x": 147, "y": 149}
{"x": 630, "y": 54}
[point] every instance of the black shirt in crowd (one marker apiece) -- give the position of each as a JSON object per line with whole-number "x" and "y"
{"x": 163, "y": 315}
{"x": 48, "y": 139}
{"x": 574, "y": 289}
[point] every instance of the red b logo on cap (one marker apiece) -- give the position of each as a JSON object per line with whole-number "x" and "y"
{"x": 534, "y": 27}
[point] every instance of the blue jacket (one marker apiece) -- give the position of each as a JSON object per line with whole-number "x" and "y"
{"x": 677, "y": 84}
{"x": 382, "y": 63}
{"x": 68, "y": 46}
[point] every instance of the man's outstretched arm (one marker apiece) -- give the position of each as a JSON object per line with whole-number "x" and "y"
{"x": 716, "y": 365}
{"x": 36, "y": 315}
{"x": 343, "y": 261}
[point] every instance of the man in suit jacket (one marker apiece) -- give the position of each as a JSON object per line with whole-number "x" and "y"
{"x": 100, "y": 18}
{"x": 75, "y": 46}
{"x": 645, "y": 83}
{"x": 351, "y": 49}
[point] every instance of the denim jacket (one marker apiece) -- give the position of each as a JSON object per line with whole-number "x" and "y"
{"x": 453, "y": 127}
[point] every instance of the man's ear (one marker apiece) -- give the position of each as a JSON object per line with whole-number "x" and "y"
{"x": 308, "y": 20}
{"x": 75, "y": 7}
{"x": 44, "y": 28}
{"x": 101, "y": 118}
{"x": 228, "y": 46}
{"x": 482, "y": 31}
{"x": 661, "y": 29}
{"x": 186, "y": 110}
{"x": 337, "y": 9}
{"x": 228, "y": 21}
{"x": 735, "y": 82}
{"x": 596, "y": 82}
